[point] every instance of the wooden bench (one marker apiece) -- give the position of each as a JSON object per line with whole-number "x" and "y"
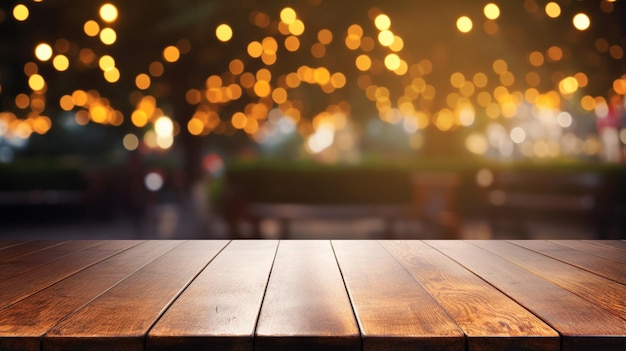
{"x": 516, "y": 197}
{"x": 313, "y": 295}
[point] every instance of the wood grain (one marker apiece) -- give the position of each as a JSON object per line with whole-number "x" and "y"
{"x": 219, "y": 309}
{"x": 51, "y": 305}
{"x": 607, "y": 268}
{"x": 617, "y": 244}
{"x": 582, "y": 324}
{"x": 394, "y": 312}
{"x": 24, "y": 263}
{"x": 489, "y": 319}
{"x": 598, "y": 250}
{"x": 28, "y": 283}
{"x": 9, "y": 243}
{"x": 120, "y": 318}
{"x": 603, "y": 292}
{"x": 14, "y": 251}
{"x": 306, "y": 306}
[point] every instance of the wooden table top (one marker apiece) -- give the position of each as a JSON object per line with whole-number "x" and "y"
{"x": 313, "y": 295}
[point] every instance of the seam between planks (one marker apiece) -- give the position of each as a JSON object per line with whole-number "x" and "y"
{"x": 145, "y": 336}
{"x": 502, "y": 291}
{"x": 345, "y": 286}
{"x": 267, "y": 283}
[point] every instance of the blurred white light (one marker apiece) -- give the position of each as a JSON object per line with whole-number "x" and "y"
{"x": 602, "y": 109}
{"x": 564, "y": 119}
{"x": 484, "y": 177}
{"x": 164, "y": 126}
{"x": 131, "y": 142}
{"x": 518, "y": 135}
{"x": 153, "y": 181}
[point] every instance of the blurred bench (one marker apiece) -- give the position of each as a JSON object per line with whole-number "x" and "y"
{"x": 517, "y": 197}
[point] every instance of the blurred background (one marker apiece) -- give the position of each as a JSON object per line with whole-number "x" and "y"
{"x": 312, "y": 119}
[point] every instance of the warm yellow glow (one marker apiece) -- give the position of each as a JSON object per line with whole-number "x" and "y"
{"x": 457, "y": 79}
{"x": 518, "y": 135}
{"x": 397, "y": 45}
{"x": 363, "y": 62}
{"x": 224, "y": 32}
{"x": 61, "y": 63}
{"x": 288, "y": 15}
{"x": 499, "y": 66}
{"x": 108, "y": 12}
{"x": 582, "y": 79}
{"x": 338, "y": 80}
{"x": 292, "y": 43}
{"x": 195, "y": 126}
{"x": 43, "y": 52}
{"x": 476, "y": 143}
{"x": 568, "y": 85}
{"x": 106, "y": 63}
{"x": 164, "y": 126}
{"x": 619, "y": 85}
{"x": 171, "y": 53}
{"x": 491, "y": 11}
{"x": 581, "y": 21}
{"x": 392, "y": 62}
{"x": 239, "y": 120}
{"x": 142, "y": 81}
{"x": 382, "y": 22}
{"x": 279, "y": 95}
{"x": 66, "y": 103}
{"x": 321, "y": 76}
{"x": 555, "y": 53}
{"x": 507, "y": 79}
{"x": 386, "y": 38}
{"x": 112, "y": 75}
{"x": 79, "y": 97}
{"x": 264, "y": 74}
{"x": 325, "y": 36}
{"x": 20, "y": 12}
{"x": 108, "y": 36}
{"x": 255, "y": 49}
{"x": 262, "y": 88}
{"x": 236, "y": 66}
{"x": 139, "y": 118}
{"x": 464, "y": 24}
{"x": 98, "y": 113}
{"x": 536, "y": 58}
{"x": 36, "y": 82}
{"x": 91, "y": 28}
{"x": 480, "y": 80}
{"x": 297, "y": 27}
{"x": 553, "y": 10}
{"x": 318, "y": 50}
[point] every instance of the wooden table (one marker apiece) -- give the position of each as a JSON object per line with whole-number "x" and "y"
{"x": 312, "y": 295}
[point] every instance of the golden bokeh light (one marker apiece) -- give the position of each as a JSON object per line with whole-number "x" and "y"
{"x": 66, "y": 102}
{"x": 224, "y": 32}
{"x": 382, "y": 22}
{"x": 142, "y": 81}
{"x": 22, "y": 101}
{"x": 130, "y": 142}
{"x": 21, "y": 12}
{"x": 91, "y": 28}
{"x": 491, "y": 11}
{"x": 106, "y": 62}
{"x": 464, "y": 24}
{"x": 108, "y": 12}
{"x": 43, "y": 52}
{"x": 195, "y": 126}
{"x": 108, "y": 36}
{"x": 112, "y": 75}
{"x": 553, "y": 10}
{"x": 392, "y": 62}
{"x": 255, "y": 49}
{"x": 296, "y": 27}
{"x": 239, "y": 120}
{"x": 363, "y": 62}
{"x": 156, "y": 69}
{"x": 288, "y": 15}
{"x": 325, "y": 36}
{"x": 236, "y": 67}
{"x": 581, "y": 21}
{"x": 536, "y": 58}
{"x": 292, "y": 43}
{"x": 61, "y": 63}
{"x": 36, "y": 82}
{"x": 386, "y": 38}
{"x": 171, "y": 53}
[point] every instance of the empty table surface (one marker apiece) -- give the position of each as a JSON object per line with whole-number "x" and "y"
{"x": 312, "y": 295}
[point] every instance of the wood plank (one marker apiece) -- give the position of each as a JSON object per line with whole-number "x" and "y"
{"x": 607, "y": 268}
{"x": 23, "y": 285}
{"x": 598, "y": 250}
{"x": 603, "y": 292}
{"x": 582, "y": 324}
{"x": 617, "y": 244}
{"x": 493, "y": 322}
{"x": 394, "y": 312}
{"x": 26, "y": 248}
{"x": 120, "y": 318}
{"x": 9, "y": 243}
{"x": 219, "y": 309}
{"x": 51, "y": 305}
{"x": 306, "y": 306}
{"x": 25, "y": 263}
